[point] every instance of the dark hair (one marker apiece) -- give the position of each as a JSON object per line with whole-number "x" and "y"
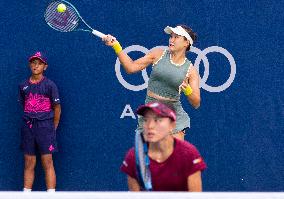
{"x": 192, "y": 34}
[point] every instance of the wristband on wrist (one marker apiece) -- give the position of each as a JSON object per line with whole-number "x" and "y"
{"x": 117, "y": 48}
{"x": 187, "y": 91}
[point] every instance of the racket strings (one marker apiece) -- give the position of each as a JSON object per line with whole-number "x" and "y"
{"x": 61, "y": 21}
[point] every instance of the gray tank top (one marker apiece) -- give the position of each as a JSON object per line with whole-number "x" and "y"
{"x": 166, "y": 77}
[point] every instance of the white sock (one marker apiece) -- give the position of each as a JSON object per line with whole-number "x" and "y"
{"x": 50, "y": 190}
{"x": 27, "y": 190}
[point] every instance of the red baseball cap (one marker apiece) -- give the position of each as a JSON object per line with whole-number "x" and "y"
{"x": 38, "y": 55}
{"x": 159, "y": 108}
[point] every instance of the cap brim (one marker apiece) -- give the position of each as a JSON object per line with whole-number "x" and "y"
{"x": 179, "y": 31}
{"x": 35, "y": 57}
{"x": 168, "y": 30}
{"x": 141, "y": 110}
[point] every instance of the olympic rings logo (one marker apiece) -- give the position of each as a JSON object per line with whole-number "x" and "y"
{"x": 201, "y": 56}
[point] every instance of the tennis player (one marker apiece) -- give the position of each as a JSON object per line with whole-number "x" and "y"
{"x": 175, "y": 165}
{"x": 171, "y": 73}
{"x": 40, "y": 99}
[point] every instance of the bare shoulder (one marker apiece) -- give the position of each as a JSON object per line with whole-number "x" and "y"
{"x": 157, "y": 51}
{"x": 193, "y": 71}
{"x": 192, "y": 68}
{"x": 156, "y": 54}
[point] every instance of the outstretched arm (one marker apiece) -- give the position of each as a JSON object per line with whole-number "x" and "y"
{"x": 132, "y": 66}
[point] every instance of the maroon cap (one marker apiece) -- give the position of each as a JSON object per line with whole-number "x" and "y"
{"x": 159, "y": 108}
{"x": 38, "y": 55}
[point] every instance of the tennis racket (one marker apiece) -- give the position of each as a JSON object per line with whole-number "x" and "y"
{"x": 67, "y": 21}
{"x": 142, "y": 161}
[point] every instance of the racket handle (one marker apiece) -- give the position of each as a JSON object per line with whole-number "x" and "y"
{"x": 98, "y": 34}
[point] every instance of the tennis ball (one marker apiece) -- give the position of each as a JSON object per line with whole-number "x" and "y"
{"x": 61, "y": 7}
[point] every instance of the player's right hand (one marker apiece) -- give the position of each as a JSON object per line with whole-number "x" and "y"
{"x": 109, "y": 40}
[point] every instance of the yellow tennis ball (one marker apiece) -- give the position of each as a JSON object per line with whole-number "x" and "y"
{"x": 61, "y": 7}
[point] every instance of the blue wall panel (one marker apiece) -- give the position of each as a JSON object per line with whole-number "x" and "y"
{"x": 239, "y": 130}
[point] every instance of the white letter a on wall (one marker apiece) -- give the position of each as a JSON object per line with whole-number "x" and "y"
{"x": 127, "y": 112}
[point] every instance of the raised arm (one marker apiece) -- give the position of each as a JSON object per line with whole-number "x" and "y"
{"x": 193, "y": 81}
{"x": 132, "y": 66}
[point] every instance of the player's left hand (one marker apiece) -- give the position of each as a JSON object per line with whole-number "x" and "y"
{"x": 184, "y": 85}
